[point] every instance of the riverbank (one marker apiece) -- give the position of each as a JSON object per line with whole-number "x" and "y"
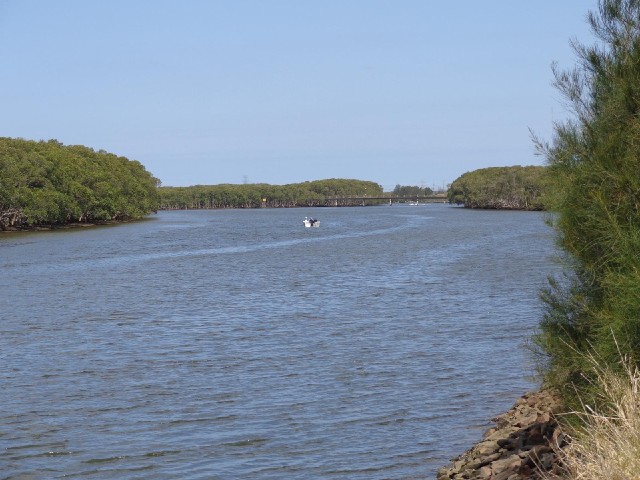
{"x": 70, "y": 225}
{"x": 523, "y": 443}
{"x": 45, "y": 228}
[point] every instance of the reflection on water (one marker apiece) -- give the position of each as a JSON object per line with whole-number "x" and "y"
{"x": 238, "y": 344}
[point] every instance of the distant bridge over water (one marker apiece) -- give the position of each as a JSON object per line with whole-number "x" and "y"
{"x": 390, "y": 199}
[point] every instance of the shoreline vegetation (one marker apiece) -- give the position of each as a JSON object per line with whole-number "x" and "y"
{"x": 588, "y": 343}
{"x": 319, "y": 193}
{"x": 45, "y": 184}
{"x": 502, "y": 188}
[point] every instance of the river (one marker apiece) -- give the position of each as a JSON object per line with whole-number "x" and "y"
{"x": 237, "y": 344}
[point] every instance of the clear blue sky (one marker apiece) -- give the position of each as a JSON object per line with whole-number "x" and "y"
{"x": 410, "y": 92}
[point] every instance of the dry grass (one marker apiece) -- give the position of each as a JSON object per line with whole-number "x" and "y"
{"x": 607, "y": 445}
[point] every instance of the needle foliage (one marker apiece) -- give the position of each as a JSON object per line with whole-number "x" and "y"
{"x": 595, "y": 159}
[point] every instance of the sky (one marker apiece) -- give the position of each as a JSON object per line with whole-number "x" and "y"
{"x": 399, "y": 92}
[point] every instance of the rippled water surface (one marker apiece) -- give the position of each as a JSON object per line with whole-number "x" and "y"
{"x": 238, "y": 344}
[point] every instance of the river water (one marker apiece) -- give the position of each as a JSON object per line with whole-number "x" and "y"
{"x": 237, "y": 344}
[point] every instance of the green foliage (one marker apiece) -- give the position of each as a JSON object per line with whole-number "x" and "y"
{"x": 513, "y": 188}
{"x": 411, "y": 191}
{"x": 47, "y": 183}
{"x": 595, "y": 160}
{"x": 308, "y": 194}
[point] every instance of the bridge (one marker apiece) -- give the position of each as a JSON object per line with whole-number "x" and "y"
{"x": 390, "y": 199}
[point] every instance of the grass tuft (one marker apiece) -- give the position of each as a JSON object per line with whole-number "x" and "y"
{"x": 606, "y": 443}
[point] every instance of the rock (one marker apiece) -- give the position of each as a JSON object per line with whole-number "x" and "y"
{"x": 523, "y": 442}
{"x": 503, "y": 433}
{"x": 488, "y": 447}
{"x": 484, "y": 473}
{"x": 544, "y": 417}
{"x": 444, "y": 473}
{"x": 510, "y": 463}
{"x": 487, "y": 460}
{"x": 527, "y": 418}
{"x": 506, "y": 475}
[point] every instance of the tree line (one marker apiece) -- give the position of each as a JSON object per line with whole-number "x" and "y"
{"x": 330, "y": 192}
{"x": 411, "y": 191}
{"x": 48, "y": 183}
{"x": 509, "y": 188}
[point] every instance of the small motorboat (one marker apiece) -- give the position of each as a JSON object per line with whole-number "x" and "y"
{"x": 311, "y": 222}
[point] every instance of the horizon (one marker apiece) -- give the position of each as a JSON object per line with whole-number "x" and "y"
{"x": 277, "y": 93}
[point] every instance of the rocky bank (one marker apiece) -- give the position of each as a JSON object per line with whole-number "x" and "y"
{"x": 524, "y": 443}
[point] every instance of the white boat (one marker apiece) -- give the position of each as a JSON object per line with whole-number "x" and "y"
{"x": 311, "y": 222}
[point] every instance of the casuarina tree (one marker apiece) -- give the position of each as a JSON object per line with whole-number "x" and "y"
{"x": 595, "y": 159}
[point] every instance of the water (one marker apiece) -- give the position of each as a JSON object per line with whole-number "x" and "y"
{"x": 239, "y": 345}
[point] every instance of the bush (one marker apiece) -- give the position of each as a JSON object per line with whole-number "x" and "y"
{"x": 596, "y": 161}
